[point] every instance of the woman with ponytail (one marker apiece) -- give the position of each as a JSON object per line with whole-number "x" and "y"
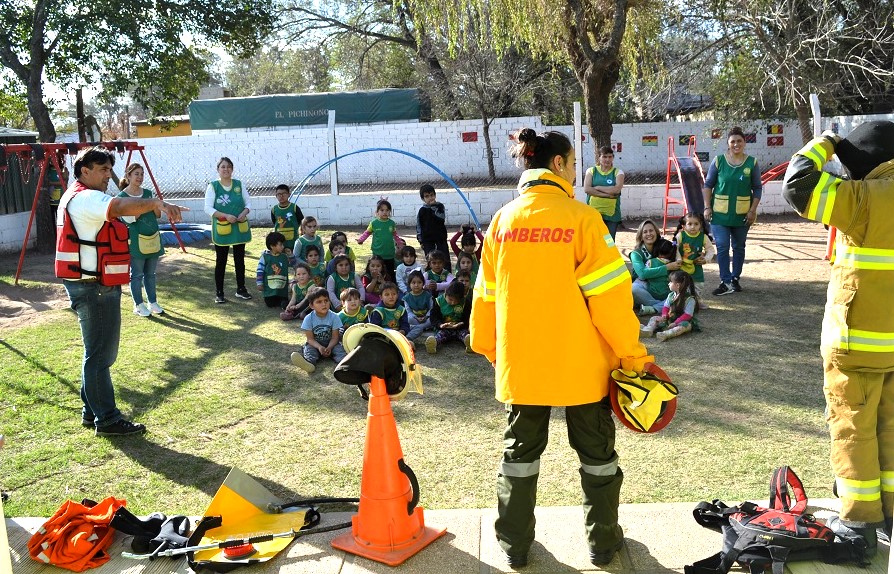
{"x": 586, "y": 329}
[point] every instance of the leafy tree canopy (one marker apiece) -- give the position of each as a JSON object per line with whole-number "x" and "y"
{"x": 151, "y": 49}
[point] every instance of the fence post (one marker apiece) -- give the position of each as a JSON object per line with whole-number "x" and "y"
{"x": 333, "y": 167}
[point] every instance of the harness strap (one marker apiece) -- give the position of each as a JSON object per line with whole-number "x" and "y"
{"x": 534, "y": 182}
{"x": 780, "y": 499}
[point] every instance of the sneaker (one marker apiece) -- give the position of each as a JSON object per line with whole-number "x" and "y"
{"x": 88, "y": 423}
{"x": 645, "y": 310}
{"x": 723, "y": 289}
{"x": 646, "y": 332}
{"x": 431, "y": 345}
{"x": 603, "y": 557}
{"x": 243, "y": 294}
{"x": 120, "y": 428}
{"x": 219, "y": 298}
{"x": 141, "y": 310}
{"x": 299, "y": 361}
{"x": 662, "y": 336}
{"x": 851, "y": 533}
{"x": 156, "y": 309}
{"x": 467, "y": 340}
{"x": 735, "y": 285}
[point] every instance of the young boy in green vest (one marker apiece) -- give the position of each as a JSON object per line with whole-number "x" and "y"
{"x": 389, "y": 313}
{"x": 272, "y": 275}
{"x": 450, "y": 317}
{"x": 286, "y": 217}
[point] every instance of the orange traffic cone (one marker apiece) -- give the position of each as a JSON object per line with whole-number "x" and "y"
{"x": 388, "y": 526}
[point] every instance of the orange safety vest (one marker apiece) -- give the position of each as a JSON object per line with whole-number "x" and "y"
{"x": 112, "y": 249}
{"x": 77, "y": 535}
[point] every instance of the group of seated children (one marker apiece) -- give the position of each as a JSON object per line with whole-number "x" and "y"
{"x": 329, "y": 296}
{"x": 692, "y": 247}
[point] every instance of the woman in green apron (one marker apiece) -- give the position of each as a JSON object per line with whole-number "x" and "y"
{"x": 145, "y": 244}
{"x": 732, "y": 192}
{"x": 228, "y": 204}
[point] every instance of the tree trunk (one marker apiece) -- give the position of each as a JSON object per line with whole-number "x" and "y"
{"x": 598, "y": 83}
{"x": 489, "y": 150}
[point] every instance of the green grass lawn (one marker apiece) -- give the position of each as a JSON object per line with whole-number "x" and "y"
{"x": 214, "y": 385}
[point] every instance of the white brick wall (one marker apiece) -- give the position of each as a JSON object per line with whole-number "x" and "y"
{"x": 270, "y": 157}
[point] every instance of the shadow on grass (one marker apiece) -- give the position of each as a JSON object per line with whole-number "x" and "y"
{"x": 183, "y": 468}
{"x": 23, "y": 389}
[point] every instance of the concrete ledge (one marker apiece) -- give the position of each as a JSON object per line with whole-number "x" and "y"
{"x": 660, "y": 538}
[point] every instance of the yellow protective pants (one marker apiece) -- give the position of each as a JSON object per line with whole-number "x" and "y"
{"x": 860, "y": 415}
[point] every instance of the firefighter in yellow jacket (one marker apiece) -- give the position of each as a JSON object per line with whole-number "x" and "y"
{"x": 857, "y": 343}
{"x": 587, "y": 308}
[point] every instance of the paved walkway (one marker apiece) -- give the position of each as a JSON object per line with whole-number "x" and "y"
{"x": 660, "y": 538}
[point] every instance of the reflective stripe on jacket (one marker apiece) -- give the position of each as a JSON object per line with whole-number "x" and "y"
{"x": 553, "y": 345}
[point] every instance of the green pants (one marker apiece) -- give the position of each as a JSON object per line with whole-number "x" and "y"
{"x": 591, "y": 432}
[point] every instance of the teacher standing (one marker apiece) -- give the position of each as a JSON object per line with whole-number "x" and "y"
{"x": 732, "y": 192}
{"x": 590, "y": 299}
{"x": 228, "y": 204}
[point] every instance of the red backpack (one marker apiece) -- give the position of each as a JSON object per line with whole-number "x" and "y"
{"x": 759, "y": 537}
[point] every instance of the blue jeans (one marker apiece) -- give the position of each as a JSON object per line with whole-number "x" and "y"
{"x": 724, "y": 237}
{"x": 142, "y": 272}
{"x": 642, "y": 296}
{"x": 416, "y": 326}
{"x": 313, "y": 356}
{"x": 99, "y": 314}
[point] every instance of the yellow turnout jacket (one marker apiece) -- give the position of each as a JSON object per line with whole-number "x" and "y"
{"x": 552, "y": 306}
{"x": 858, "y": 325}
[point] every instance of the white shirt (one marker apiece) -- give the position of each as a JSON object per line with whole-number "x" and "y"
{"x": 209, "y": 198}
{"x": 88, "y": 210}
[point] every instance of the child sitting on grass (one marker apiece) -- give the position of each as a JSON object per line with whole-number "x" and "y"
{"x": 272, "y": 274}
{"x": 322, "y": 330}
{"x": 678, "y": 316}
{"x": 437, "y": 277}
{"x": 389, "y": 313}
{"x": 298, "y": 307}
{"x": 352, "y": 309}
{"x": 307, "y": 238}
{"x": 342, "y": 237}
{"x": 317, "y": 267}
{"x": 374, "y": 279}
{"x": 407, "y": 265}
{"x": 470, "y": 241}
{"x": 418, "y": 302}
{"x": 336, "y": 248}
{"x": 342, "y": 279}
{"x": 450, "y": 317}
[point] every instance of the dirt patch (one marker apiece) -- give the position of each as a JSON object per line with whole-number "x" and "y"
{"x": 38, "y": 290}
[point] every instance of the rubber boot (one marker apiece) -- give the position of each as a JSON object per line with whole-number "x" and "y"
{"x": 601, "y": 499}
{"x": 851, "y": 532}
{"x": 516, "y": 499}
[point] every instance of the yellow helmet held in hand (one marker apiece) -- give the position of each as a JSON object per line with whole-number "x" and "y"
{"x": 643, "y": 402}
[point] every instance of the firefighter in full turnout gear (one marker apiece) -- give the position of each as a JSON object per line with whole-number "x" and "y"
{"x": 554, "y": 347}
{"x": 857, "y": 343}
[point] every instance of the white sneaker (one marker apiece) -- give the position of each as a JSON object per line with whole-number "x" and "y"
{"x": 141, "y": 310}
{"x": 156, "y": 309}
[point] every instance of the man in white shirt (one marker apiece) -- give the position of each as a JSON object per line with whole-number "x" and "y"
{"x": 99, "y": 306}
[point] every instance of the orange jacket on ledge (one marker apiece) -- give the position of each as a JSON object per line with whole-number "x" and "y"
{"x": 76, "y": 536}
{"x": 550, "y": 352}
